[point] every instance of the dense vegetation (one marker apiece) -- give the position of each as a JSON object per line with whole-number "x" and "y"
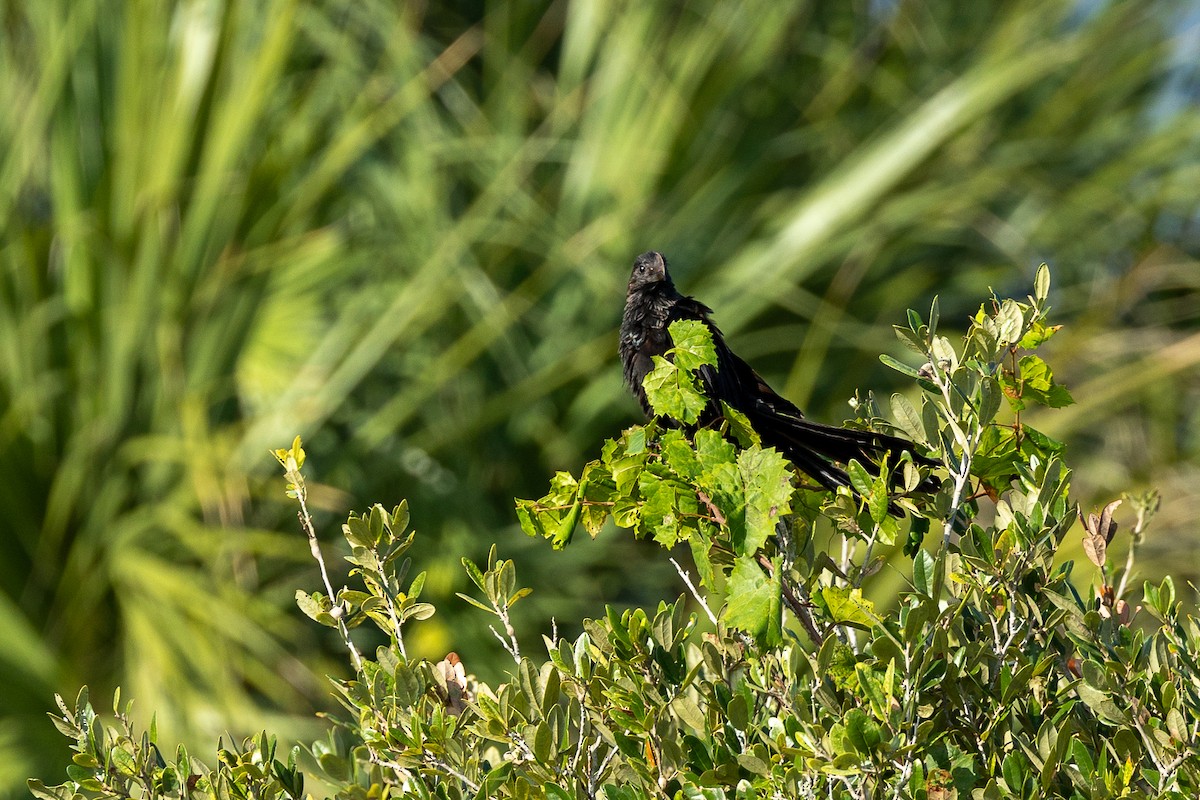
{"x": 402, "y": 230}
{"x": 991, "y": 678}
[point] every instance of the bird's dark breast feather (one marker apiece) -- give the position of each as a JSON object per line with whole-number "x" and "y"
{"x": 644, "y": 335}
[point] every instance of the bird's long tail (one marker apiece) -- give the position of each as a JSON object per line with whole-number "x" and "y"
{"x": 817, "y": 449}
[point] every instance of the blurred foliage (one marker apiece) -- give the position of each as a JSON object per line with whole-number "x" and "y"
{"x": 403, "y": 229}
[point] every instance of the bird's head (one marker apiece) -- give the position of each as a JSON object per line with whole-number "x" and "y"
{"x": 648, "y": 268}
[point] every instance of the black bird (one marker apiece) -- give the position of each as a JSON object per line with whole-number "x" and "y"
{"x": 653, "y": 303}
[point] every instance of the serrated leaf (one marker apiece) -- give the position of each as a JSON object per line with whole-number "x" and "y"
{"x": 739, "y": 426}
{"x": 848, "y": 606}
{"x": 712, "y": 449}
{"x": 673, "y": 393}
{"x": 700, "y": 544}
{"x": 766, "y": 478}
{"x": 692, "y": 344}
{"x": 660, "y": 515}
{"x": 678, "y": 454}
{"x": 754, "y": 604}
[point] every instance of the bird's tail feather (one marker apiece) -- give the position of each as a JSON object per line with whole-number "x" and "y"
{"x": 814, "y": 448}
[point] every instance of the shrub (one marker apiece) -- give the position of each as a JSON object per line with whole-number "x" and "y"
{"x": 990, "y": 676}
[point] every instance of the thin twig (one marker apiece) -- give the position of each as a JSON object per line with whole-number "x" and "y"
{"x": 310, "y": 530}
{"x": 1136, "y": 536}
{"x": 699, "y": 599}
{"x": 505, "y": 643}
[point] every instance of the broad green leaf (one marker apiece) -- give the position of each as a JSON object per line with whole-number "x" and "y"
{"x": 860, "y": 479}
{"x": 907, "y": 418}
{"x": 1010, "y": 322}
{"x": 766, "y": 476}
{"x": 689, "y": 713}
{"x": 1037, "y": 384}
{"x": 739, "y": 426}
{"x": 673, "y": 393}
{"x": 1037, "y": 335}
{"x": 863, "y": 732}
{"x": 923, "y": 567}
{"x": 754, "y": 602}
{"x": 713, "y": 449}
{"x": 848, "y": 606}
{"x": 692, "y": 344}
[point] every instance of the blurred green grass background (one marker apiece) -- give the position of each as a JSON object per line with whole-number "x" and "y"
{"x": 402, "y": 230}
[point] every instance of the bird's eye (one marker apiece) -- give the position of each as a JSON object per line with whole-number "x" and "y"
{"x": 641, "y": 268}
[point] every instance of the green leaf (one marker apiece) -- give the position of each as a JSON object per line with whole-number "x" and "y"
{"x": 689, "y": 713}
{"x": 673, "y": 393}
{"x": 679, "y": 455}
{"x": 1041, "y": 284}
{"x": 899, "y": 366}
{"x": 671, "y": 387}
{"x": 848, "y": 606}
{"x": 700, "y": 544}
{"x": 476, "y": 603}
{"x": 944, "y": 353}
{"x": 753, "y": 761}
{"x": 739, "y": 426}
{"x": 754, "y": 604}
{"x": 863, "y": 732}
{"x": 1037, "y": 335}
{"x": 766, "y": 476}
{"x": 860, "y": 479}
{"x": 543, "y": 743}
{"x": 692, "y": 344}
{"x": 908, "y": 418}
{"x": 1037, "y": 384}
{"x": 713, "y": 449}
{"x": 923, "y": 567}
{"x": 665, "y": 501}
{"x": 1015, "y": 769}
{"x": 990, "y": 395}
{"x": 316, "y": 607}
